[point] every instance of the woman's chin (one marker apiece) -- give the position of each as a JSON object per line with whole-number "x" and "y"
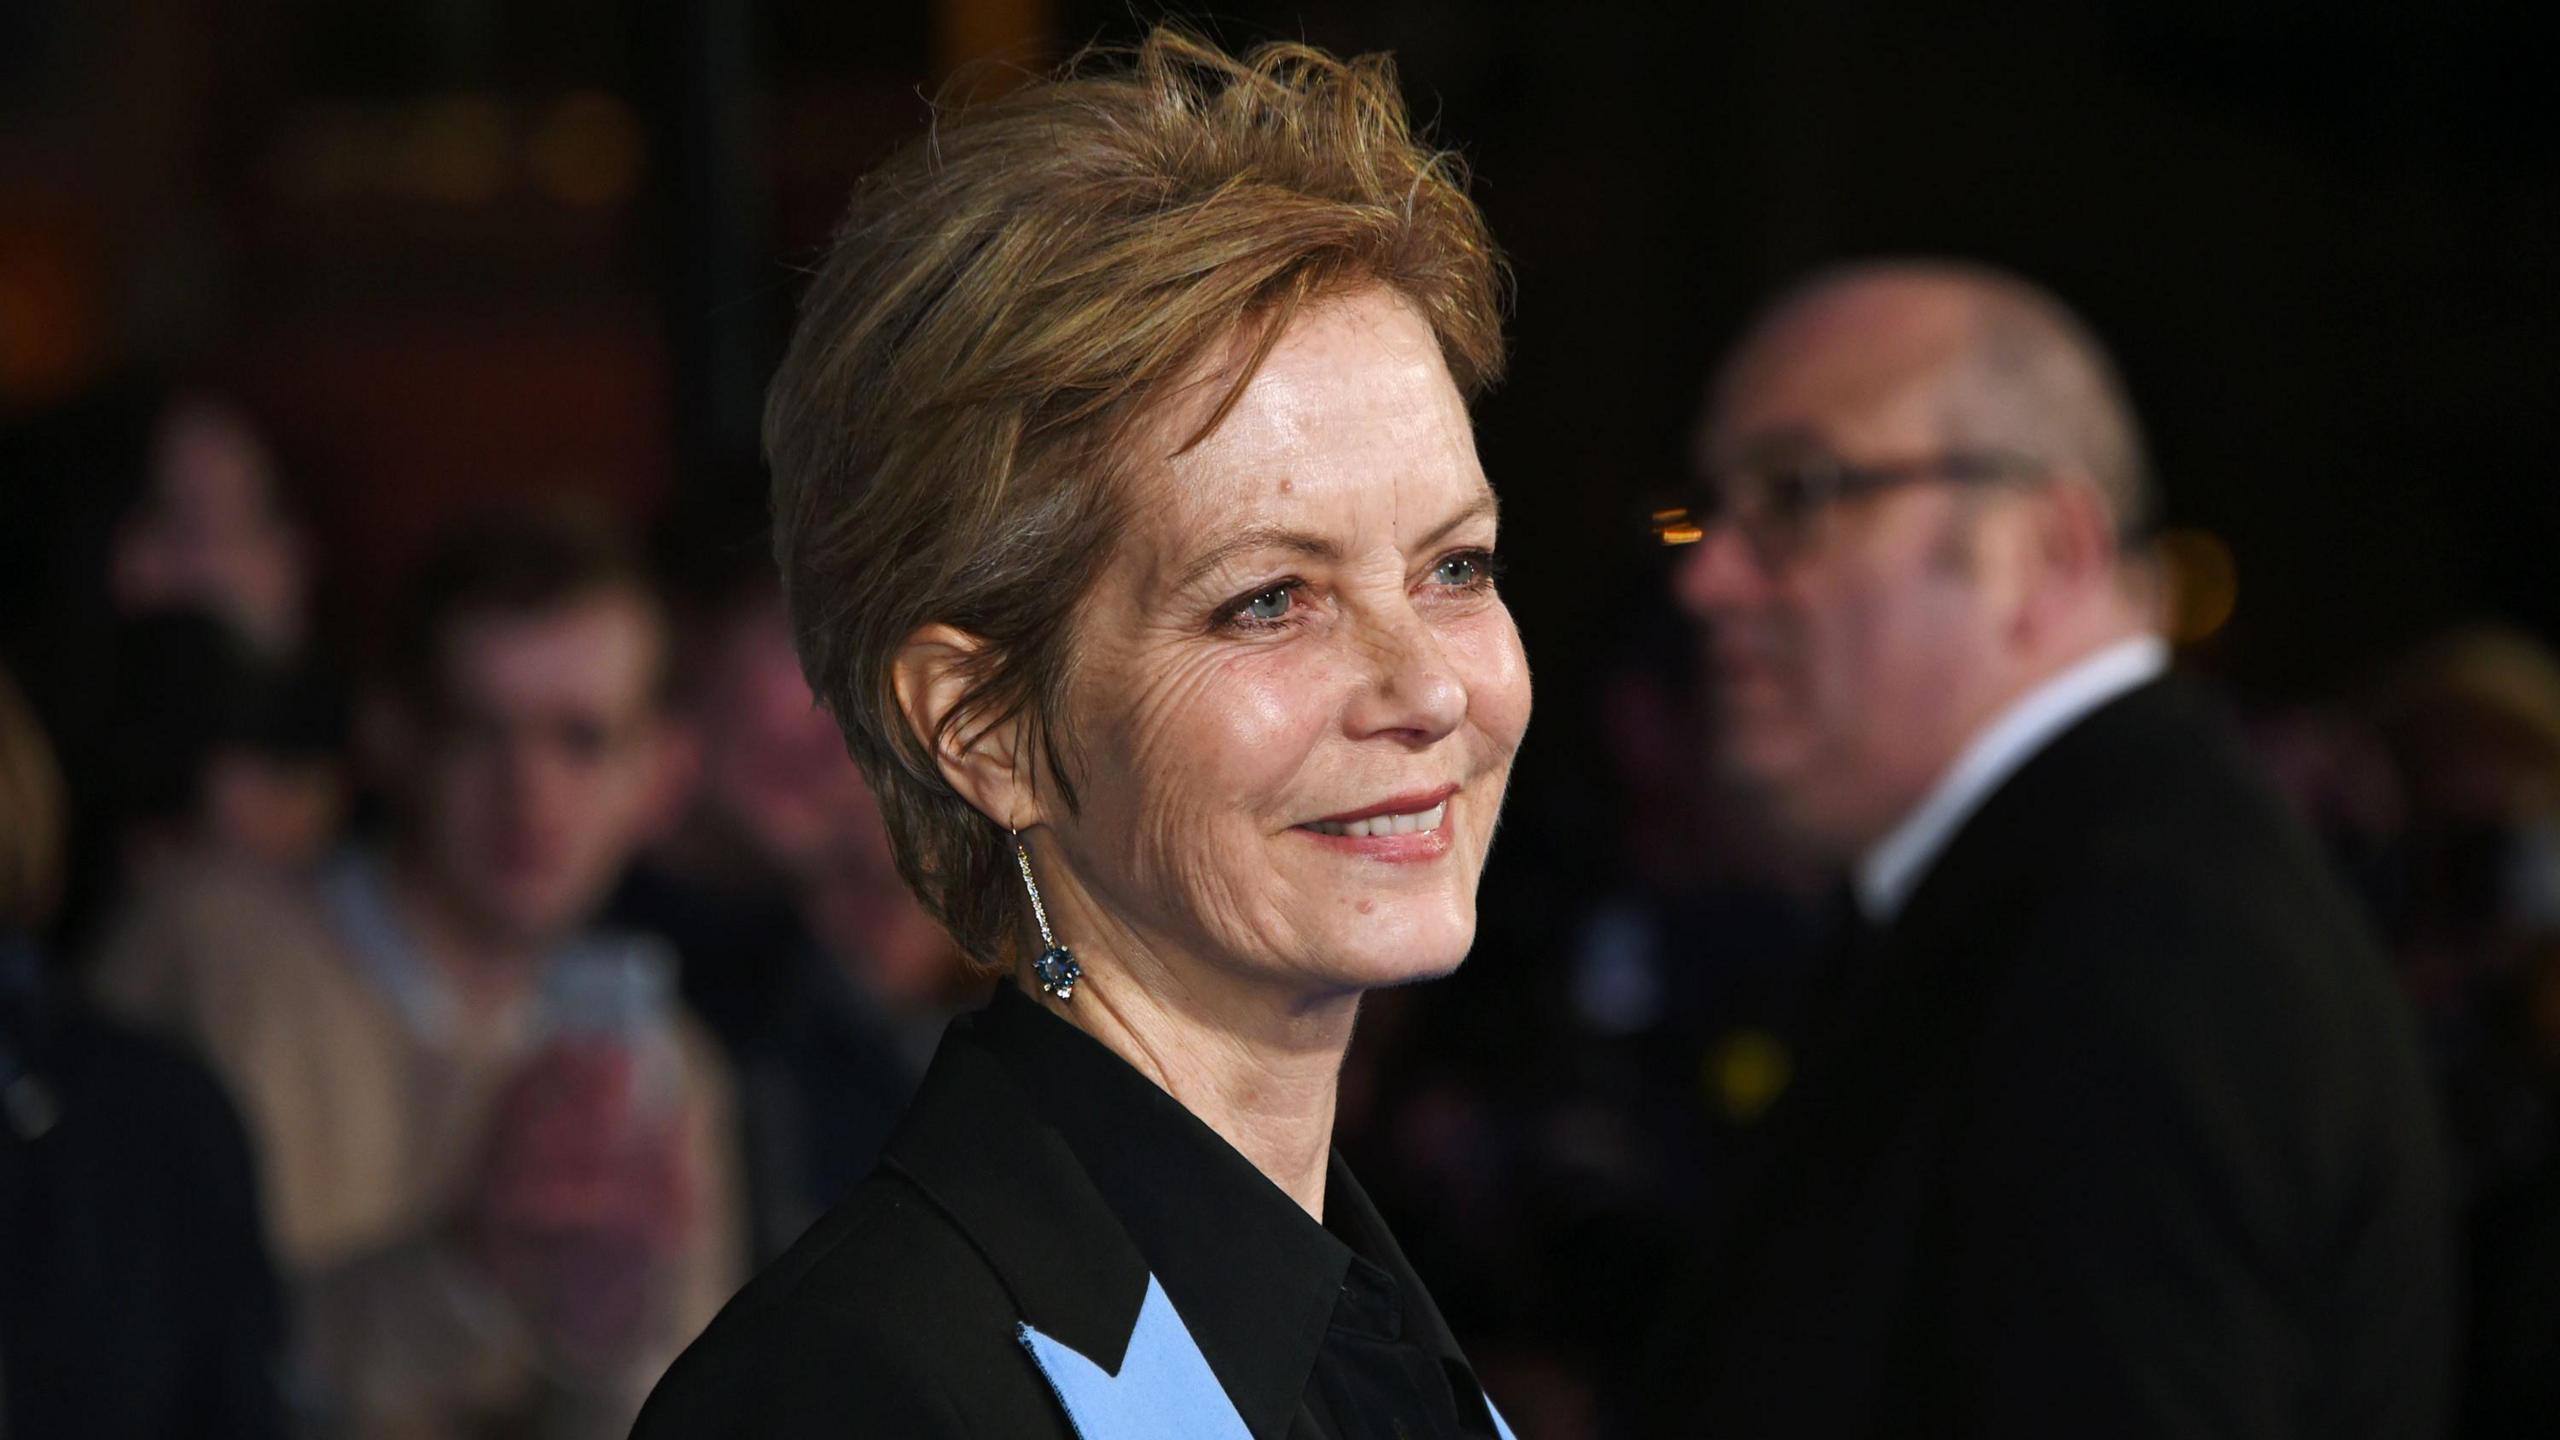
{"x": 1418, "y": 974}
{"x": 1371, "y": 962}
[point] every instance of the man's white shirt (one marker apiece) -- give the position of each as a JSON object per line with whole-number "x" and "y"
{"x": 1889, "y": 872}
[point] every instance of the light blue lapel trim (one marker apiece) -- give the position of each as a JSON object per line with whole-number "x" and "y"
{"x": 1164, "y": 1390}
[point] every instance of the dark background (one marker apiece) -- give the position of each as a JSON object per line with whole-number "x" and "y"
{"x": 450, "y": 248}
{"x": 456, "y": 251}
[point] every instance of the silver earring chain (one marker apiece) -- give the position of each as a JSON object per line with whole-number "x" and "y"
{"x": 1039, "y": 911}
{"x": 1055, "y": 969}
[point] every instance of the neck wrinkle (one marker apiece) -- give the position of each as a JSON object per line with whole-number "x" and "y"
{"x": 1268, "y": 1090}
{"x": 1257, "y": 1063}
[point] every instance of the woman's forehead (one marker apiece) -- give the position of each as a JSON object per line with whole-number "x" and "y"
{"x": 1352, "y": 418}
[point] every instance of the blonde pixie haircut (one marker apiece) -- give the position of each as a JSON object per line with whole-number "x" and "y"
{"x": 1008, "y": 301}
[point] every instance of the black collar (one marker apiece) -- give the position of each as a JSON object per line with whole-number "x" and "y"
{"x": 1077, "y": 1177}
{"x": 978, "y": 1149}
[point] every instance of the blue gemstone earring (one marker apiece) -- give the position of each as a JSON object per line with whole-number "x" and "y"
{"x": 1056, "y": 969}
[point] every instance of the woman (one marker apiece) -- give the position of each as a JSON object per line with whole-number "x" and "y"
{"x": 1133, "y": 531}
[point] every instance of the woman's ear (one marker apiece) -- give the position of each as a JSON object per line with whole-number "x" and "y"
{"x": 988, "y": 763}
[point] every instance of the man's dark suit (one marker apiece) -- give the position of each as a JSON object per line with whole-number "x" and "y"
{"x": 2121, "y": 1131}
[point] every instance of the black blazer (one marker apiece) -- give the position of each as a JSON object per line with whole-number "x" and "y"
{"x": 2121, "y": 1130}
{"x": 1053, "y": 1247}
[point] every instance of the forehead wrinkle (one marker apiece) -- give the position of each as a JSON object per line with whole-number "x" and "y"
{"x": 1292, "y": 400}
{"x": 1298, "y": 465}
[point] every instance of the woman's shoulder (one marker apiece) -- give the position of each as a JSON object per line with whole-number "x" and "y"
{"x": 884, "y": 1317}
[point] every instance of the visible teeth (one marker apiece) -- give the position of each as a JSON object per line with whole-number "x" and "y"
{"x": 1408, "y": 824}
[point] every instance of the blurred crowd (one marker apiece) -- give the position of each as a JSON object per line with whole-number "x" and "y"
{"x": 487, "y": 1009}
{"x": 419, "y": 1023}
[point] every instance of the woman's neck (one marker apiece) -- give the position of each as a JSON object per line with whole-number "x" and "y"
{"x": 1264, "y": 1078}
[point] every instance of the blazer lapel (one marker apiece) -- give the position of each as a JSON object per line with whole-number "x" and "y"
{"x": 1093, "y": 1319}
{"x": 1163, "y": 1390}
{"x": 973, "y": 1145}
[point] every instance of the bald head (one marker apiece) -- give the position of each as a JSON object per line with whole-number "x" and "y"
{"x": 1990, "y": 361}
{"x": 1859, "y": 636}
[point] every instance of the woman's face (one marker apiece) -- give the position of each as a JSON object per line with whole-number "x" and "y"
{"x": 1296, "y": 694}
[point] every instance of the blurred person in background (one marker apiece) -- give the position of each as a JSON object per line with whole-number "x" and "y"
{"x": 2473, "y": 722}
{"x": 220, "y": 757}
{"x": 142, "y": 500}
{"x": 498, "y": 1156}
{"x": 136, "y": 1299}
{"x": 1128, "y": 505}
{"x": 803, "y": 950}
{"x": 211, "y": 530}
{"x": 2331, "y": 765}
{"x": 142, "y": 497}
{"x": 2119, "y": 1126}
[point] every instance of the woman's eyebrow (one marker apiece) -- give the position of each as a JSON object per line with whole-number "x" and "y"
{"x": 1482, "y": 507}
{"x": 1258, "y": 537}
{"x": 1311, "y": 546}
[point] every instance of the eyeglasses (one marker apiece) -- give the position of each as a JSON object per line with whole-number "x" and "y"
{"x": 1775, "y": 506}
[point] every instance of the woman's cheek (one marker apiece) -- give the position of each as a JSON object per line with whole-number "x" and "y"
{"x": 1224, "y": 731}
{"x": 1270, "y": 710}
{"x": 1496, "y": 670}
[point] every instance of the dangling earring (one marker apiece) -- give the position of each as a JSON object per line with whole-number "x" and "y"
{"x": 1056, "y": 969}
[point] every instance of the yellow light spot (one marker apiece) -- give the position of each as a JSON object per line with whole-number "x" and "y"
{"x": 1746, "y": 1071}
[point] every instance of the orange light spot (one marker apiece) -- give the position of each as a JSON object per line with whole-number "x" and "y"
{"x": 2203, "y": 584}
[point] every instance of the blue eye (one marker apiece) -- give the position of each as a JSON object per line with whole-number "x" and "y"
{"x": 1468, "y": 569}
{"x": 1272, "y": 608}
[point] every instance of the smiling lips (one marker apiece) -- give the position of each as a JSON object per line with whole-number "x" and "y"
{"x": 1404, "y": 824}
{"x": 1408, "y": 827}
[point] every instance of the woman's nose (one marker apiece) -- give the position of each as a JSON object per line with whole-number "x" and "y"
{"x": 1414, "y": 690}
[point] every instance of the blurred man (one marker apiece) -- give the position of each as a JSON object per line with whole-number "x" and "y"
{"x": 2116, "y": 1126}
{"x": 498, "y": 1162}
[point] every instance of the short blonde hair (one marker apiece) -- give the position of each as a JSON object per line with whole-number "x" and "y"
{"x": 1010, "y": 297}
{"x": 31, "y": 817}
